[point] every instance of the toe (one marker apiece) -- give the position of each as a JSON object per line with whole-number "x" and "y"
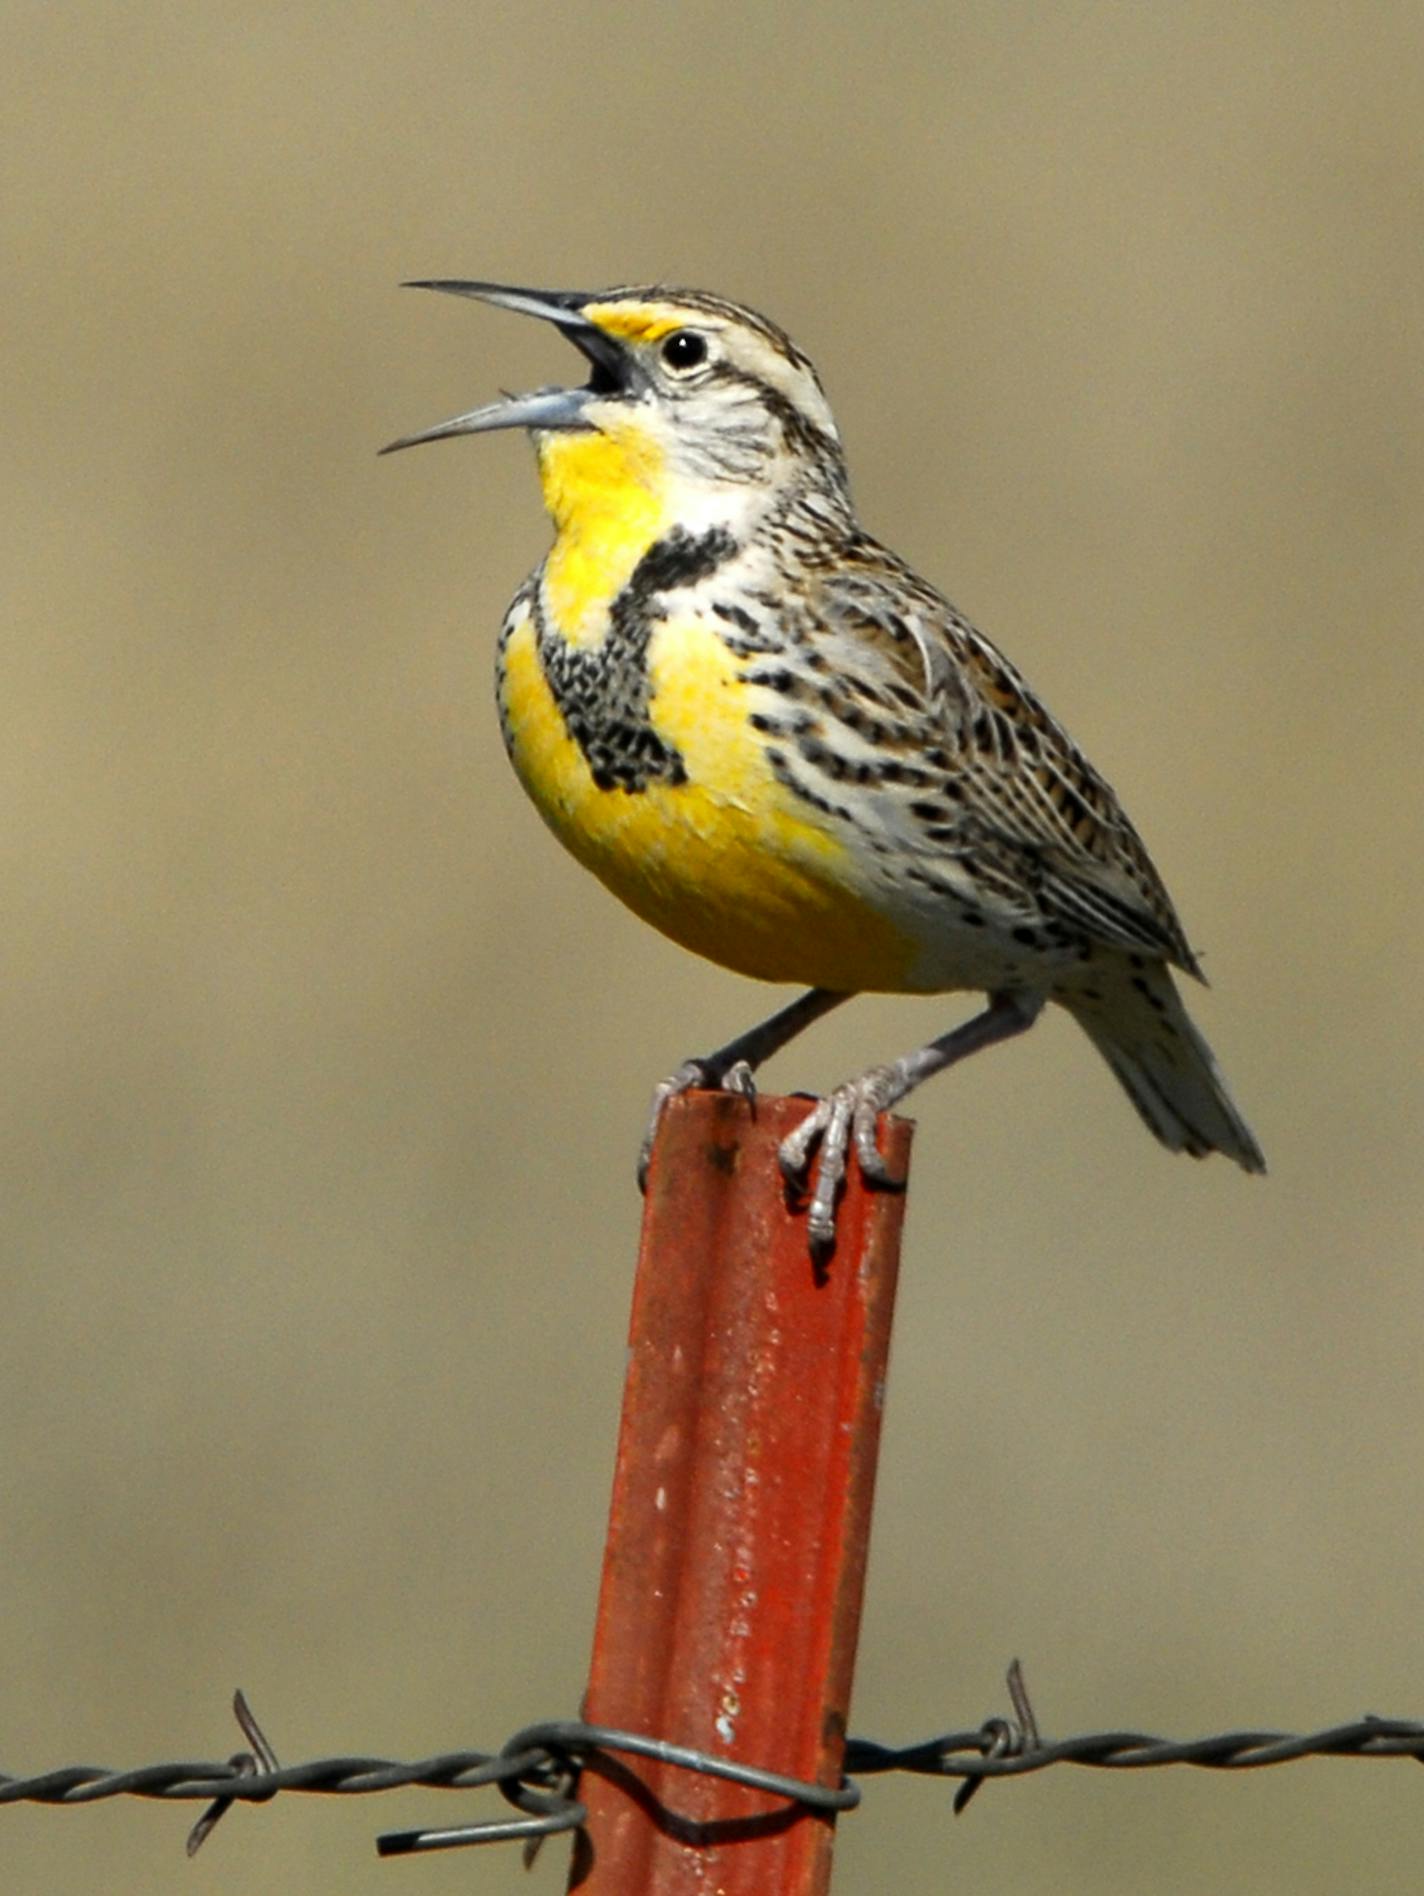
{"x": 867, "y": 1149}
{"x": 795, "y": 1150}
{"x": 690, "y": 1074}
{"x": 830, "y": 1169}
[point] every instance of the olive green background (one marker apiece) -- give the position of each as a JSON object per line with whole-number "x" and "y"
{"x": 324, "y": 1069}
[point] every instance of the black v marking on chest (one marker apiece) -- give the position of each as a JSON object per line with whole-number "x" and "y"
{"x": 603, "y": 691}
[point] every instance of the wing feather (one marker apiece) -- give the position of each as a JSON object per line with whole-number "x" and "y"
{"x": 1021, "y": 803}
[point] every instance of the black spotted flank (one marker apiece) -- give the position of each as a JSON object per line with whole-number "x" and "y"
{"x": 602, "y": 691}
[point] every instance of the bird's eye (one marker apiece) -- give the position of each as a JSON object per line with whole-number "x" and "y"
{"x": 684, "y": 350}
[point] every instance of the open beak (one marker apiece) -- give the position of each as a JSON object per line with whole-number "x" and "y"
{"x": 545, "y": 408}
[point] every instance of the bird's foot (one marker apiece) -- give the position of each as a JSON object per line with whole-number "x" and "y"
{"x": 847, "y": 1115}
{"x": 733, "y": 1076}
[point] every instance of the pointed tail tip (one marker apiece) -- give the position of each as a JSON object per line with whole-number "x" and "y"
{"x": 1250, "y": 1157}
{"x": 1234, "y": 1140}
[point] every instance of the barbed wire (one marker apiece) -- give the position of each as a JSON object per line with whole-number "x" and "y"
{"x": 537, "y": 1770}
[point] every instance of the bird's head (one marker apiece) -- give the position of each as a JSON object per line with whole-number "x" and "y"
{"x": 696, "y": 404}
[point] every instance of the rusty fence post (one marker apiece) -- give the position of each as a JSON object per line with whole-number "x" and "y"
{"x": 735, "y": 1562}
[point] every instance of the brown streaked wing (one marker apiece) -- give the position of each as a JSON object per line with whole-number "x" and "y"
{"x": 1048, "y": 820}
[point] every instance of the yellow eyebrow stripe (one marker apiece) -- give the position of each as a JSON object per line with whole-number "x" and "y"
{"x": 637, "y": 322}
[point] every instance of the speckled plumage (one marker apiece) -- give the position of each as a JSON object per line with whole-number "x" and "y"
{"x": 790, "y": 752}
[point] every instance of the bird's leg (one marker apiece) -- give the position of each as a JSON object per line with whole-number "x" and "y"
{"x": 849, "y": 1113}
{"x": 731, "y": 1067}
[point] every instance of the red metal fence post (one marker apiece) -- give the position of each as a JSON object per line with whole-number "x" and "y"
{"x": 735, "y": 1560}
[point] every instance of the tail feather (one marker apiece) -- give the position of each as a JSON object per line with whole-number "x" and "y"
{"x": 1136, "y": 1020}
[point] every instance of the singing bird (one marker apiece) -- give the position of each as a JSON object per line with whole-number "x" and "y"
{"x": 783, "y": 748}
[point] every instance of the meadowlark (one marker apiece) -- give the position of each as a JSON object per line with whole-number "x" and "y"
{"x": 787, "y": 751}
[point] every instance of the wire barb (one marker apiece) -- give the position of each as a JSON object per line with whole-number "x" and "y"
{"x": 246, "y": 1763}
{"x": 1003, "y": 1738}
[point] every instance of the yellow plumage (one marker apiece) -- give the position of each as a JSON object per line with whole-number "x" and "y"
{"x": 721, "y": 863}
{"x": 607, "y": 495}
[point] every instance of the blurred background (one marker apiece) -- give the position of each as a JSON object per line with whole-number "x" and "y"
{"x": 325, "y": 1069}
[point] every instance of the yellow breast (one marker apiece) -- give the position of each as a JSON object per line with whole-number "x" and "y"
{"x": 606, "y": 491}
{"x": 726, "y": 863}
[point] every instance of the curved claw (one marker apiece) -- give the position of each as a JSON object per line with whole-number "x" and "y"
{"x": 849, "y": 1114}
{"x": 739, "y": 1079}
{"x": 690, "y": 1076}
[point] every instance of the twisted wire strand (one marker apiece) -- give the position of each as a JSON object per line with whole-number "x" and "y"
{"x": 537, "y": 1770}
